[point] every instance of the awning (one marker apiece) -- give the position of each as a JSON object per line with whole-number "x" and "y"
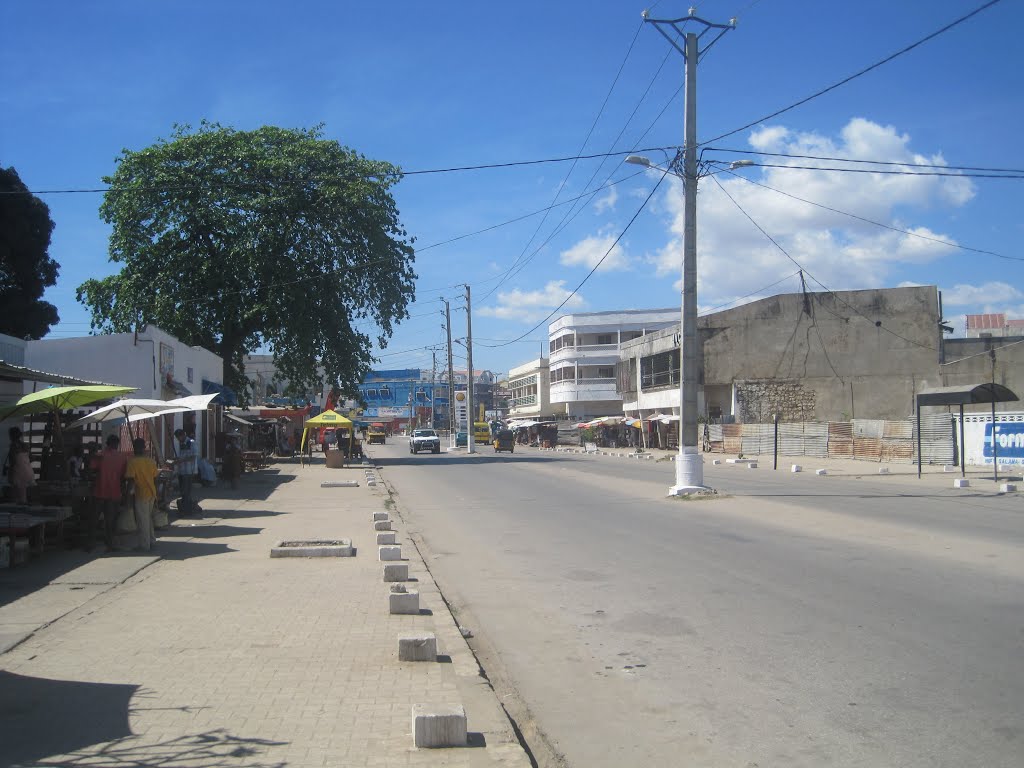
{"x": 225, "y": 395}
{"x": 966, "y": 395}
{"x": 177, "y": 388}
{"x": 12, "y": 372}
{"x": 238, "y": 419}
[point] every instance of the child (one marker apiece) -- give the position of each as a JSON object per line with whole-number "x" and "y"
{"x": 141, "y": 474}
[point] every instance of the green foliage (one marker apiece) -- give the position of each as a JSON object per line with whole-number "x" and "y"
{"x": 26, "y": 268}
{"x": 237, "y": 240}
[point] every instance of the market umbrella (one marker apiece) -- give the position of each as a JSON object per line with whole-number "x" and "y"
{"x": 57, "y": 399}
{"x": 61, "y": 399}
{"x": 131, "y": 409}
{"x": 325, "y": 419}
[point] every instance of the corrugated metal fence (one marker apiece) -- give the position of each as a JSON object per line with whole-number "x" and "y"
{"x": 869, "y": 439}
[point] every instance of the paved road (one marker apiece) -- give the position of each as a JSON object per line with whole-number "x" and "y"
{"x": 798, "y": 620}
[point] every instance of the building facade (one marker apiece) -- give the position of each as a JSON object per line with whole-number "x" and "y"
{"x": 529, "y": 390}
{"x": 992, "y": 324}
{"x": 805, "y": 356}
{"x": 583, "y": 351}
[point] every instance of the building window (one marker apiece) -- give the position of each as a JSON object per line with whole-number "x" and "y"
{"x": 660, "y": 370}
{"x": 190, "y": 374}
{"x": 385, "y": 393}
{"x": 606, "y": 372}
{"x": 561, "y": 342}
{"x": 371, "y": 394}
{"x": 604, "y": 338}
{"x": 565, "y": 373}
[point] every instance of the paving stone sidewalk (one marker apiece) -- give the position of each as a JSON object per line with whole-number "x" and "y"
{"x": 217, "y": 655}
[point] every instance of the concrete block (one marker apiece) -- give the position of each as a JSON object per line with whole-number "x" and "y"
{"x": 389, "y": 552}
{"x": 314, "y": 548}
{"x": 883, "y": 470}
{"x": 380, "y": 516}
{"x": 371, "y": 483}
{"x": 1008, "y": 488}
{"x": 382, "y": 525}
{"x": 948, "y": 468}
{"x": 716, "y": 462}
{"x": 821, "y": 472}
{"x": 339, "y": 484}
{"x": 796, "y": 468}
{"x": 417, "y": 647}
{"x": 961, "y": 482}
{"x": 752, "y": 465}
{"x": 396, "y": 572}
{"x": 386, "y": 537}
{"x": 438, "y": 726}
{"x": 404, "y": 603}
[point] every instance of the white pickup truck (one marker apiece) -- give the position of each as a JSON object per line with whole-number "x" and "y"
{"x": 424, "y": 440}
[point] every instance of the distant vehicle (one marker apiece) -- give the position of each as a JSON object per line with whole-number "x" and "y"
{"x": 424, "y": 440}
{"x": 461, "y": 439}
{"x": 375, "y": 435}
{"x": 481, "y": 432}
{"x": 505, "y": 440}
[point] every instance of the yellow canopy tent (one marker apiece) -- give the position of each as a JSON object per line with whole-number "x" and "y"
{"x": 325, "y": 419}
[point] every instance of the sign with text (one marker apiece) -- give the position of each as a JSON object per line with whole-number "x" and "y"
{"x": 1009, "y": 439}
{"x": 461, "y": 412}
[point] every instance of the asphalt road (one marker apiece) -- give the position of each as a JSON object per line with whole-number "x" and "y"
{"x": 795, "y": 620}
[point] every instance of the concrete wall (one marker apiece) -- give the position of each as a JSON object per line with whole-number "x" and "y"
{"x": 852, "y": 354}
{"x": 969, "y": 362}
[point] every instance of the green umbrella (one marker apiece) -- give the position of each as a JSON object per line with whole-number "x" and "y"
{"x": 61, "y": 398}
{"x": 57, "y": 399}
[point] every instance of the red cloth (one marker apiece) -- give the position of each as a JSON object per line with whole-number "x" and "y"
{"x": 110, "y": 466}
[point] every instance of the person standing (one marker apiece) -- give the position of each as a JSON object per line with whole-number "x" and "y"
{"x": 185, "y": 468}
{"x": 109, "y": 491}
{"x": 18, "y": 467}
{"x": 141, "y": 474}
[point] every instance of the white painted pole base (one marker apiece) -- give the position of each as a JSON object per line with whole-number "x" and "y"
{"x": 689, "y": 473}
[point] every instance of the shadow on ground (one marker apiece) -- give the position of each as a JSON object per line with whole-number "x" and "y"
{"x": 169, "y": 549}
{"x": 201, "y": 531}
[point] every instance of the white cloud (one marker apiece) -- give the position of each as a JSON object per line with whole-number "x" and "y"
{"x": 734, "y": 258}
{"x": 986, "y": 295}
{"x": 531, "y": 306}
{"x": 590, "y": 251}
{"x": 607, "y": 202}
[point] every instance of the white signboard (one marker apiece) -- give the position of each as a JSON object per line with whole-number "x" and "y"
{"x": 1009, "y": 438}
{"x": 461, "y": 412}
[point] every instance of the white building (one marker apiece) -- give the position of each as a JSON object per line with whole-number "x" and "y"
{"x": 158, "y": 365}
{"x": 584, "y": 348}
{"x": 528, "y": 387}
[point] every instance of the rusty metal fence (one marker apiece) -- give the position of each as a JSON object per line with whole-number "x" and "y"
{"x": 867, "y": 439}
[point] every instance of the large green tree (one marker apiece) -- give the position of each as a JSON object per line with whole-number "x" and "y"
{"x": 26, "y": 268}
{"x": 238, "y": 240}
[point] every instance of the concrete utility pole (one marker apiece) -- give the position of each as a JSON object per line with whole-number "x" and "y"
{"x": 433, "y": 377}
{"x": 689, "y": 462}
{"x": 469, "y": 377}
{"x": 451, "y": 375}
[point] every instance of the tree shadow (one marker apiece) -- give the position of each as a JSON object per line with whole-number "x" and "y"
{"x": 187, "y": 550}
{"x": 214, "y": 531}
{"x": 442, "y": 460}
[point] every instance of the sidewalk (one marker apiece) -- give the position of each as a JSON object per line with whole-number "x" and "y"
{"x": 217, "y": 655}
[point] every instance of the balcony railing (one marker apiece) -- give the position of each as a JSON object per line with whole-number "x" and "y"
{"x": 516, "y": 402}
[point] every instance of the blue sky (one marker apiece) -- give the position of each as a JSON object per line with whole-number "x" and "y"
{"x": 439, "y": 85}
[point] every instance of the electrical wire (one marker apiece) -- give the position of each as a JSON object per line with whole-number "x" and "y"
{"x": 591, "y": 272}
{"x": 986, "y": 352}
{"x": 945, "y": 166}
{"x": 855, "y": 75}
{"x": 855, "y": 310}
{"x": 872, "y": 221}
{"x": 881, "y": 172}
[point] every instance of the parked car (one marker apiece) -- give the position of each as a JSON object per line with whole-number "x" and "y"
{"x": 461, "y": 439}
{"x": 424, "y": 440}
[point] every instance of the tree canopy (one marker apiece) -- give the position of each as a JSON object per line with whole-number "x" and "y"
{"x": 26, "y": 269}
{"x": 238, "y": 240}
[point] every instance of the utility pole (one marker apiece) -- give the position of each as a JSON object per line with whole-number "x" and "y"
{"x": 451, "y": 374}
{"x": 433, "y": 377}
{"x": 470, "y": 416}
{"x": 689, "y": 462}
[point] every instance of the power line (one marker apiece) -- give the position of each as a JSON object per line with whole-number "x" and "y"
{"x": 855, "y": 310}
{"x": 861, "y": 160}
{"x": 855, "y": 75}
{"x": 872, "y": 221}
{"x": 591, "y": 272}
{"x": 882, "y": 172}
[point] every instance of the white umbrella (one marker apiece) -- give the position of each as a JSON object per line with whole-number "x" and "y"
{"x": 131, "y": 409}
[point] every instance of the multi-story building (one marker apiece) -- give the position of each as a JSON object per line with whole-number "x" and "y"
{"x": 528, "y": 387}
{"x": 402, "y": 395}
{"x": 583, "y": 350}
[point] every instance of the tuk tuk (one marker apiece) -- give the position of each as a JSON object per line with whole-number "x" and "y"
{"x": 505, "y": 440}
{"x": 375, "y": 436}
